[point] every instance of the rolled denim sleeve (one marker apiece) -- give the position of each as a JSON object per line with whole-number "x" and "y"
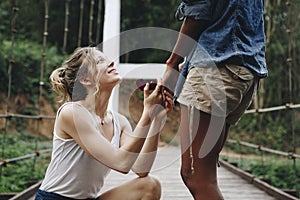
{"x": 197, "y": 9}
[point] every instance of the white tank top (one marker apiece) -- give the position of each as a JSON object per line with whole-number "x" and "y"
{"x": 72, "y": 172}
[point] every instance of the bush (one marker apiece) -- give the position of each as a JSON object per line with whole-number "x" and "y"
{"x": 271, "y": 130}
{"x": 278, "y": 171}
{"x": 281, "y": 175}
{"x": 26, "y": 66}
{"x": 15, "y": 177}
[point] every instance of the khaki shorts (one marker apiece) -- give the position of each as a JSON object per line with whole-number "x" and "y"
{"x": 225, "y": 91}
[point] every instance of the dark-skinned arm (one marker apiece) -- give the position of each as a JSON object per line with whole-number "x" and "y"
{"x": 189, "y": 33}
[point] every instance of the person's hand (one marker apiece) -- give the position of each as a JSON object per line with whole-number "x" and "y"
{"x": 170, "y": 76}
{"x": 167, "y": 106}
{"x": 159, "y": 112}
{"x": 180, "y": 66}
{"x": 153, "y": 100}
{"x": 168, "y": 100}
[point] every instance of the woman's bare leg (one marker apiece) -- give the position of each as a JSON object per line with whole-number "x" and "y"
{"x": 200, "y": 174}
{"x": 142, "y": 188}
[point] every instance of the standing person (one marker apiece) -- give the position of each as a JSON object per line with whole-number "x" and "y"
{"x": 90, "y": 140}
{"x": 215, "y": 92}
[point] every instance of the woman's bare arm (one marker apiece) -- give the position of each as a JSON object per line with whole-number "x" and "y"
{"x": 146, "y": 158}
{"x": 77, "y": 122}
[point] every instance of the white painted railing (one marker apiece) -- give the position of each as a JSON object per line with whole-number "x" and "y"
{"x": 111, "y": 48}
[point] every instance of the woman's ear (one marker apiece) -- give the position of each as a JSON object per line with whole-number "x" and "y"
{"x": 85, "y": 81}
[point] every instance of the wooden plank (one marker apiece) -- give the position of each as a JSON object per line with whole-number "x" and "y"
{"x": 167, "y": 169}
{"x": 28, "y": 193}
{"x": 278, "y": 194}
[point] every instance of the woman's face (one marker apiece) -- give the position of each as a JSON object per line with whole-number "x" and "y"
{"x": 107, "y": 73}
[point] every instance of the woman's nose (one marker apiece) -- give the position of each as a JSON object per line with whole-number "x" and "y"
{"x": 111, "y": 64}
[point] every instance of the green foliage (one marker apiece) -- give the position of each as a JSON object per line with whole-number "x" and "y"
{"x": 281, "y": 175}
{"x": 171, "y": 140}
{"x": 155, "y": 14}
{"x": 5, "y": 8}
{"x": 271, "y": 130}
{"x": 27, "y": 57}
{"x": 19, "y": 143}
{"x": 16, "y": 176}
{"x": 278, "y": 171}
{"x": 282, "y": 32}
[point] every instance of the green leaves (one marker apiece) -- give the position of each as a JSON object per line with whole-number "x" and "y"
{"x": 281, "y": 174}
{"x": 16, "y": 176}
{"x": 26, "y": 66}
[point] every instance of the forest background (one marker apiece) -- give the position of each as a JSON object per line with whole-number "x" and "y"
{"x": 26, "y": 28}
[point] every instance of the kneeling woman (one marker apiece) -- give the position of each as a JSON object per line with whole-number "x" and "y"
{"x": 89, "y": 140}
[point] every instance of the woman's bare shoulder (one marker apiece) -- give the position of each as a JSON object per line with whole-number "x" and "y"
{"x": 72, "y": 111}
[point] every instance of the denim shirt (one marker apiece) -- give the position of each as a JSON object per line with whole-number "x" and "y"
{"x": 234, "y": 34}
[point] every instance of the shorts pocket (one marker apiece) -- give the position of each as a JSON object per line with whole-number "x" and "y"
{"x": 240, "y": 72}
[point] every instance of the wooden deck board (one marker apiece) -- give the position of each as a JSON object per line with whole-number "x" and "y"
{"x": 166, "y": 168}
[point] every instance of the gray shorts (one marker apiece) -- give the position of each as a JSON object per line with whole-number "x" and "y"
{"x": 225, "y": 91}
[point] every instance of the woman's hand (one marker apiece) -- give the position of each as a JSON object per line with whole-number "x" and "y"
{"x": 159, "y": 102}
{"x": 160, "y": 111}
{"x": 154, "y": 98}
{"x": 168, "y": 100}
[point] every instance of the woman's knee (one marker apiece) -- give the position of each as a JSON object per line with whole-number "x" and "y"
{"x": 151, "y": 187}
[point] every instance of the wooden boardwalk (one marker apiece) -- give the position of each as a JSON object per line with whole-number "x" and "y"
{"x": 166, "y": 168}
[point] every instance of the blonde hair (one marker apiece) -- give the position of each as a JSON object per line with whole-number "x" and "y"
{"x": 65, "y": 80}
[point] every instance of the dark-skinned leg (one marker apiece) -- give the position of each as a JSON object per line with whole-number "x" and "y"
{"x": 202, "y": 182}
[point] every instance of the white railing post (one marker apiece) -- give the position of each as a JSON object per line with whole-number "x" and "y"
{"x": 111, "y": 41}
